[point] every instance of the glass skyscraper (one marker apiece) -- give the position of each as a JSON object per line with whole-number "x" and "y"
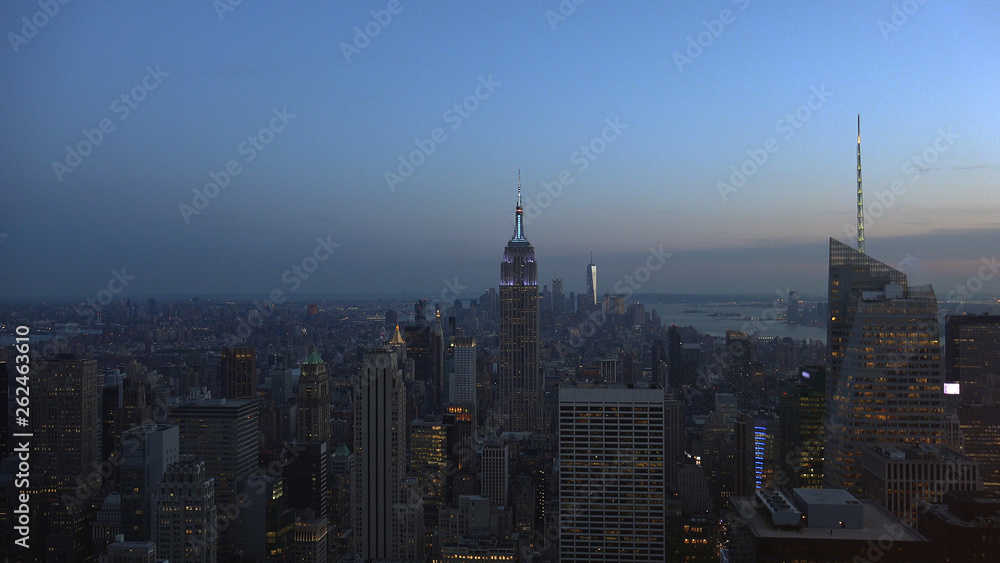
{"x": 885, "y": 381}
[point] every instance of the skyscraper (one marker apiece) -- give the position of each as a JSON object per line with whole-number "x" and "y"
{"x": 66, "y": 425}
{"x": 147, "y": 451}
{"x": 886, "y": 380}
{"x": 972, "y": 347}
{"x": 462, "y": 386}
{"x": 558, "y": 299}
{"x": 379, "y": 454}
{"x": 802, "y": 410}
{"x": 611, "y": 473}
{"x": 185, "y": 513}
{"x": 521, "y": 390}
{"x": 238, "y": 372}
{"x": 223, "y": 434}
{"x": 314, "y": 401}
{"x": 591, "y": 282}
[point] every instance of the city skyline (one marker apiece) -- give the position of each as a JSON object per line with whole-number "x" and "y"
{"x": 667, "y": 124}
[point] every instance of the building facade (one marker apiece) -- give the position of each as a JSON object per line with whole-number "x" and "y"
{"x": 521, "y": 389}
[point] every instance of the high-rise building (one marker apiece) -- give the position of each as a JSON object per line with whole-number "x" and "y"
{"x": 379, "y": 454}
{"x": 66, "y": 443}
{"x": 108, "y": 523}
{"x": 591, "y": 283}
{"x": 981, "y": 430}
{"x": 738, "y": 351}
{"x": 611, "y": 473}
{"x": 802, "y": 411}
{"x": 972, "y": 353}
{"x": 675, "y": 358}
{"x": 147, "y": 451}
{"x": 462, "y": 386}
{"x": 521, "y": 388}
{"x": 184, "y": 511}
{"x": 223, "y": 434}
{"x": 757, "y": 451}
{"x": 306, "y": 478}
{"x": 899, "y": 477}
{"x": 426, "y": 348}
{"x": 558, "y": 299}
{"x": 238, "y": 373}
{"x": 429, "y": 457}
{"x": 314, "y": 401}
{"x": 674, "y": 435}
{"x": 658, "y": 362}
{"x": 494, "y": 472}
{"x": 885, "y": 383}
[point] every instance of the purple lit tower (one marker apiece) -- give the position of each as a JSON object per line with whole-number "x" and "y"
{"x": 521, "y": 389}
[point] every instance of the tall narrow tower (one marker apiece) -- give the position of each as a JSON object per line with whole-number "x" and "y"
{"x": 861, "y": 213}
{"x": 591, "y": 282}
{"x": 380, "y": 453}
{"x": 521, "y": 388}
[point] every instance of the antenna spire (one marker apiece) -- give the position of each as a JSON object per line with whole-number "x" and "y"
{"x": 519, "y": 186}
{"x": 861, "y": 213}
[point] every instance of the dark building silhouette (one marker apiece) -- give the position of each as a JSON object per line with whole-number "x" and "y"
{"x": 972, "y": 353}
{"x": 306, "y": 478}
{"x": 238, "y": 372}
{"x": 964, "y": 526}
{"x": 802, "y": 411}
{"x": 658, "y": 362}
{"x": 675, "y": 358}
{"x": 65, "y": 421}
{"x": 314, "y": 402}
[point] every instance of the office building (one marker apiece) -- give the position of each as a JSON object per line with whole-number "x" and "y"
{"x": 223, "y": 434}
{"x": 558, "y": 298}
{"x": 379, "y": 455}
{"x": 886, "y": 380}
{"x": 429, "y": 457}
{"x": 591, "y": 283}
{"x": 980, "y": 426}
{"x": 184, "y": 508}
{"x": 611, "y": 473}
{"x": 147, "y": 451}
{"x": 313, "y": 401}
{"x": 66, "y": 443}
{"x": 802, "y": 412}
{"x": 238, "y": 373}
{"x": 898, "y": 477}
{"x": 972, "y": 352}
{"x": 494, "y": 472}
{"x": 311, "y": 540}
{"x": 462, "y": 384}
{"x": 521, "y": 389}
{"x": 306, "y": 478}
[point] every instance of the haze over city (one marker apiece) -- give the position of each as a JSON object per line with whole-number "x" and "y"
{"x": 633, "y": 113}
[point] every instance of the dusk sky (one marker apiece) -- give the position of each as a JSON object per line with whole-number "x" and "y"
{"x": 618, "y": 98}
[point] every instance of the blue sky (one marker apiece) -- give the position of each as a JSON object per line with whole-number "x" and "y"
{"x": 922, "y": 75}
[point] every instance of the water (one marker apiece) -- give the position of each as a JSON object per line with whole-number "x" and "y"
{"x": 727, "y": 316}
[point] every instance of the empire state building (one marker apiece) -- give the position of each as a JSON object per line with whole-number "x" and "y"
{"x": 521, "y": 389}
